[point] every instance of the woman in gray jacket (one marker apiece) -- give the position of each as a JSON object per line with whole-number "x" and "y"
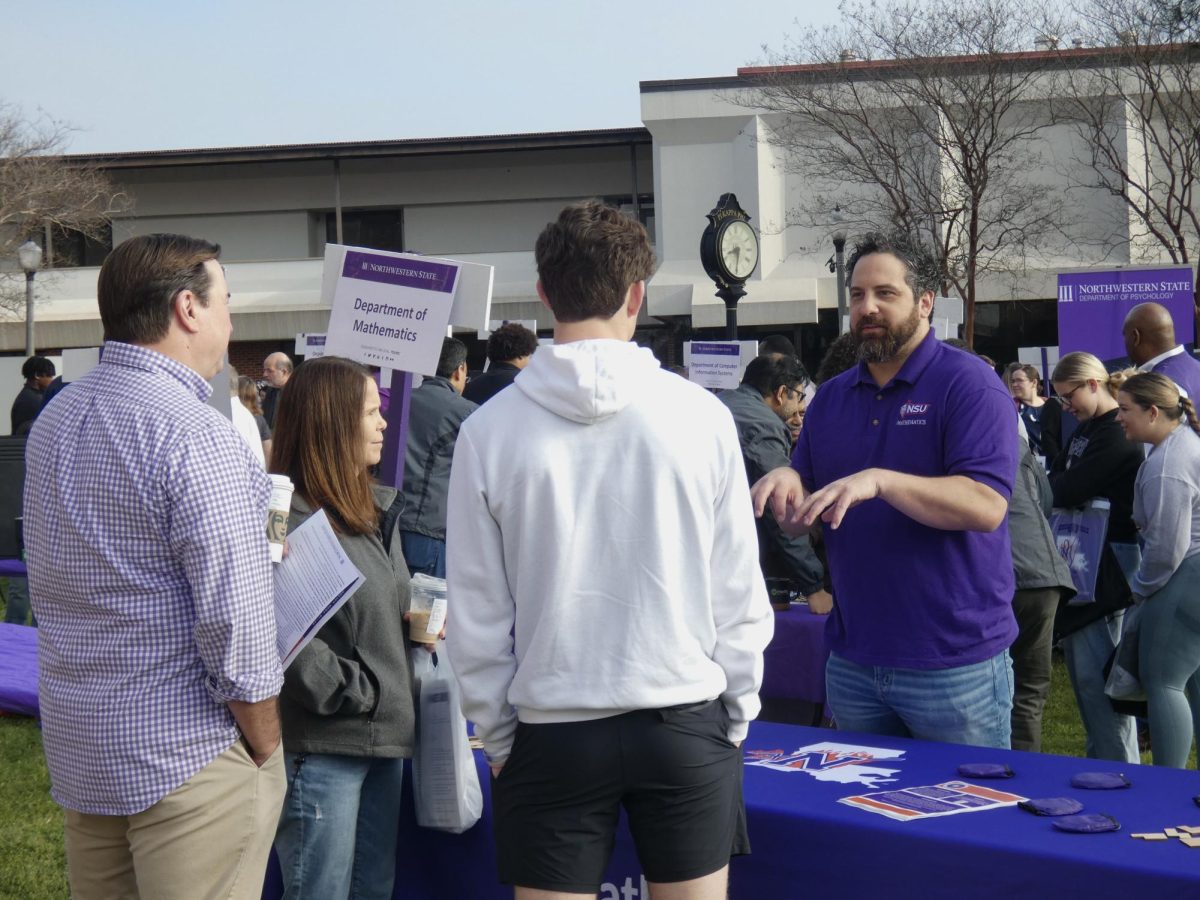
{"x": 347, "y": 700}
{"x": 1166, "y": 510}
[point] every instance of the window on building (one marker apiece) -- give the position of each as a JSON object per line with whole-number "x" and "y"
{"x": 644, "y": 208}
{"x": 379, "y": 229}
{"x": 70, "y": 249}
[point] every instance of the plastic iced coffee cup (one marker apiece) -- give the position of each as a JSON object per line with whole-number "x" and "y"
{"x": 427, "y": 609}
{"x": 277, "y": 514}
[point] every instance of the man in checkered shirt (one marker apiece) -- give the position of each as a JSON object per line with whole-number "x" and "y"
{"x": 151, "y": 580}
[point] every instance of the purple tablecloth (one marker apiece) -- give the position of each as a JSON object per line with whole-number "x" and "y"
{"x": 807, "y": 844}
{"x": 13, "y": 567}
{"x": 794, "y": 662}
{"x": 18, "y": 669}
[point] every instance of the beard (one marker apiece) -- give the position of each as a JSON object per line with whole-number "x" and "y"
{"x": 884, "y": 348}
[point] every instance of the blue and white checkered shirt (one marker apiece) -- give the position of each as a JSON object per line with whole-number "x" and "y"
{"x": 150, "y": 577}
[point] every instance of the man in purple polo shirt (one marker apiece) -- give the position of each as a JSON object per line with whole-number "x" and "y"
{"x": 1149, "y": 333}
{"x": 909, "y": 460}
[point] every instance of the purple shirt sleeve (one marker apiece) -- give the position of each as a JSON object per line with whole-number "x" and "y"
{"x": 981, "y": 440}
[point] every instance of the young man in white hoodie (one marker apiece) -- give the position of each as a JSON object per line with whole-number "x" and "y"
{"x": 609, "y": 611}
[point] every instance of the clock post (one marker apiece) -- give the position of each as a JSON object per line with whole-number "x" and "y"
{"x": 731, "y": 295}
{"x": 729, "y": 254}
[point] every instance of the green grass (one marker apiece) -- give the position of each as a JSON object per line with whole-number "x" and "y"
{"x": 32, "y": 860}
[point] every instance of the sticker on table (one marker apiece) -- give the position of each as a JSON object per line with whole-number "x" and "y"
{"x": 946, "y": 799}
{"x": 827, "y": 761}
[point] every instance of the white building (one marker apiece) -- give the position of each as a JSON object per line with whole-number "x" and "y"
{"x": 272, "y": 209}
{"x": 484, "y": 199}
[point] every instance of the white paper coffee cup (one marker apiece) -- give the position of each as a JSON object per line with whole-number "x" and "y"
{"x": 277, "y": 514}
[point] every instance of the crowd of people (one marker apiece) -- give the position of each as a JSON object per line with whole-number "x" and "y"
{"x": 611, "y": 535}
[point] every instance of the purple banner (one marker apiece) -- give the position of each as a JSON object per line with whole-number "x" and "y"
{"x": 731, "y": 349}
{"x": 417, "y": 273}
{"x": 1092, "y": 306}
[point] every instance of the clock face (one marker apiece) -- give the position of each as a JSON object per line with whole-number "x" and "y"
{"x": 738, "y": 249}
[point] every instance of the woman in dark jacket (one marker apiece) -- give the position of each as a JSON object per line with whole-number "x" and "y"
{"x": 1042, "y": 417}
{"x": 1099, "y": 461}
{"x": 347, "y": 699}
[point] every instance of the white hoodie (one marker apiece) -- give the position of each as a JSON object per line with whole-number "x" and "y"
{"x": 599, "y": 514}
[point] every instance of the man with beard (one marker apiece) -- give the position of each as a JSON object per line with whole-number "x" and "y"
{"x": 908, "y": 458}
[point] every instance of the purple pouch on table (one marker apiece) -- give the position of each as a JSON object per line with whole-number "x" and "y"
{"x": 1100, "y": 781}
{"x": 985, "y": 770}
{"x": 1089, "y": 823}
{"x": 1051, "y": 806}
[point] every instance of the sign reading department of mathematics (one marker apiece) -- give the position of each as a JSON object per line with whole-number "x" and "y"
{"x": 1092, "y": 306}
{"x": 391, "y": 310}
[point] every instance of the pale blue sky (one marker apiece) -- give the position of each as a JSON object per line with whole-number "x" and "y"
{"x": 159, "y": 74}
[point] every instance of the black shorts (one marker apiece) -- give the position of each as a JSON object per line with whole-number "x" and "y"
{"x": 557, "y": 800}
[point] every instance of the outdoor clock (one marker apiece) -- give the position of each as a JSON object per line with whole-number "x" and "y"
{"x": 729, "y": 246}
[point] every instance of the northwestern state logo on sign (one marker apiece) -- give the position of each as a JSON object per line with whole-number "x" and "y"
{"x": 841, "y": 763}
{"x": 913, "y": 413}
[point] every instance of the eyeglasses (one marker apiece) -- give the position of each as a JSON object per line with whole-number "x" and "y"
{"x": 1066, "y": 398}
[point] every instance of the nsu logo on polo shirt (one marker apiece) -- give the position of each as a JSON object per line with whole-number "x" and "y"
{"x": 914, "y": 413}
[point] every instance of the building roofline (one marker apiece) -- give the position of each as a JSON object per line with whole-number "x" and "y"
{"x": 1059, "y": 57}
{"x": 544, "y": 140}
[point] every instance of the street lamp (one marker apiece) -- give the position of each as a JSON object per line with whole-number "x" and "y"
{"x": 839, "y": 261}
{"x": 30, "y": 256}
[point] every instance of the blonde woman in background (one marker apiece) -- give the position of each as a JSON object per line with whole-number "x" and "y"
{"x": 1166, "y": 509}
{"x": 248, "y": 393}
{"x": 1099, "y": 461}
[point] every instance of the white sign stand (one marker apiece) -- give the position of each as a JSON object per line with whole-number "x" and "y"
{"x": 718, "y": 364}
{"x": 310, "y": 345}
{"x": 392, "y": 309}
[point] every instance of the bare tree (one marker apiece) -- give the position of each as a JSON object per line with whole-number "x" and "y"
{"x": 1136, "y": 106}
{"x": 920, "y": 116}
{"x": 41, "y": 190}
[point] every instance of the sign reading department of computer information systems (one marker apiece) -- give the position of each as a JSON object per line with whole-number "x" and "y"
{"x": 717, "y": 364}
{"x": 1092, "y": 306}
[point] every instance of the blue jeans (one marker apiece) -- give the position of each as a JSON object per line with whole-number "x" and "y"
{"x": 1110, "y": 735}
{"x": 1169, "y": 664}
{"x": 337, "y": 831}
{"x": 969, "y": 704}
{"x": 424, "y": 555}
{"x": 17, "y": 611}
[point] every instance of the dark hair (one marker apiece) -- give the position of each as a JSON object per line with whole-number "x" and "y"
{"x": 318, "y": 441}
{"x": 767, "y": 374}
{"x": 1031, "y": 372}
{"x": 141, "y": 278}
{"x": 511, "y": 341}
{"x": 454, "y": 354}
{"x": 1148, "y": 389}
{"x": 776, "y": 343}
{"x": 841, "y": 355}
{"x": 37, "y": 367}
{"x": 588, "y": 258}
{"x": 921, "y": 269}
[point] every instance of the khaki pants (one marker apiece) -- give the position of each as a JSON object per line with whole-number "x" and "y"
{"x": 207, "y": 839}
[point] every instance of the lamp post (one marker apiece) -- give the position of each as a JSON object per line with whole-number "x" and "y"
{"x": 839, "y": 261}
{"x": 30, "y": 256}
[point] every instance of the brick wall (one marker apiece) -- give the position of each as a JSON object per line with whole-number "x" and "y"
{"x": 247, "y": 356}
